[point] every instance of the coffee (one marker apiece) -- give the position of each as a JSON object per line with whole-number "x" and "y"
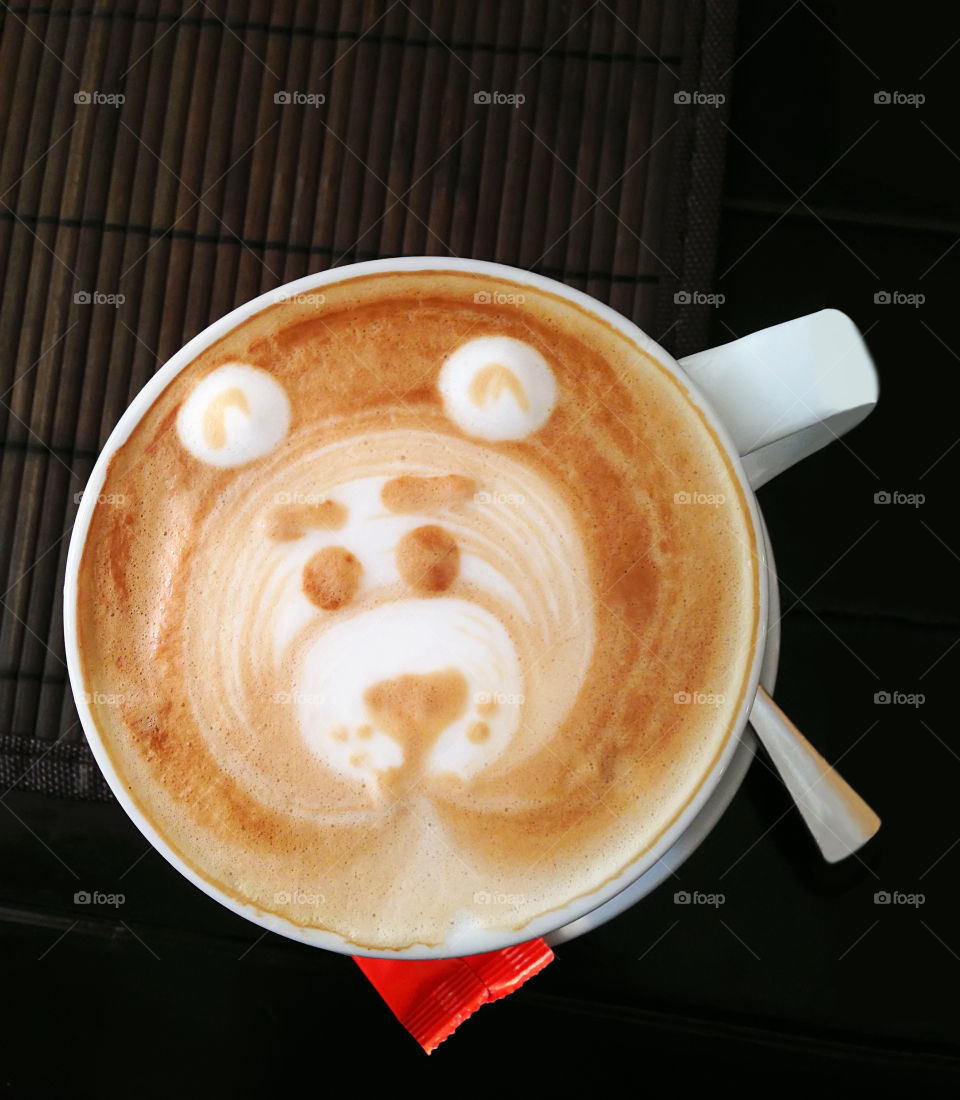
{"x": 422, "y": 606}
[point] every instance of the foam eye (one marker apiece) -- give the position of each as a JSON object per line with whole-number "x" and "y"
{"x": 428, "y": 559}
{"x": 331, "y": 577}
{"x": 497, "y": 388}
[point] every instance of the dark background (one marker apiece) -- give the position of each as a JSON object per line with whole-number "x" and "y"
{"x": 829, "y": 199}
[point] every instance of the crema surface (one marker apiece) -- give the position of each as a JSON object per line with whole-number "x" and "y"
{"x": 405, "y": 614}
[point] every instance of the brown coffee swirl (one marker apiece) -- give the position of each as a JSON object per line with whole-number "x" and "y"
{"x": 423, "y": 615}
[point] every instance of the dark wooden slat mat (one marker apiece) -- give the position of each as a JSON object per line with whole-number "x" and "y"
{"x": 160, "y": 165}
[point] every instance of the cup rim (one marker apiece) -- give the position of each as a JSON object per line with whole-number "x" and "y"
{"x": 552, "y": 919}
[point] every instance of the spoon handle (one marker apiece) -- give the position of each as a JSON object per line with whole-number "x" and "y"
{"x": 841, "y": 822}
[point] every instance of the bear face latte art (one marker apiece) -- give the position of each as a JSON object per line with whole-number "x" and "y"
{"x": 409, "y": 615}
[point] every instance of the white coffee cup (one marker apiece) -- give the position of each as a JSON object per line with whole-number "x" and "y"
{"x": 772, "y": 398}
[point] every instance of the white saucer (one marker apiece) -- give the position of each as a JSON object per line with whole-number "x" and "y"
{"x": 713, "y": 809}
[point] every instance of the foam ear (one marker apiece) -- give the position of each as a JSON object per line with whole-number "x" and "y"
{"x": 236, "y": 414}
{"x": 497, "y": 388}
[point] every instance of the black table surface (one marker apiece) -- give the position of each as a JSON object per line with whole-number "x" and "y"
{"x": 831, "y": 199}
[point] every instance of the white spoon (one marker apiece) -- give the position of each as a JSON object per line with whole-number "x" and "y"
{"x": 841, "y": 822}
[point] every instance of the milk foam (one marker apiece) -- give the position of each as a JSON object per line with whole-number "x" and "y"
{"x": 498, "y": 388}
{"x": 519, "y": 593}
{"x": 407, "y": 669}
{"x": 410, "y": 637}
{"x": 235, "y": 414}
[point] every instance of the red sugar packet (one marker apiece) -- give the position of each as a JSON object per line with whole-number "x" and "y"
{"x": 432, "y": 997}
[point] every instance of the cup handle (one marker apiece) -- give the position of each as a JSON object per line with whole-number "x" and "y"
{"x": 783, "y": 393}
{"x": 786, "y": 391}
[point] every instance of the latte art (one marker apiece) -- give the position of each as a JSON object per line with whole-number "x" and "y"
{"x": 497, "y": 388}
{"x": 397, "y": 603}
{"x": 236, "y": 414}
{"x": 389, "y": 601}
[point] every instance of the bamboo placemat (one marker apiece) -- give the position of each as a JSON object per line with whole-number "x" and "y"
{"x": 163, "y": 162}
